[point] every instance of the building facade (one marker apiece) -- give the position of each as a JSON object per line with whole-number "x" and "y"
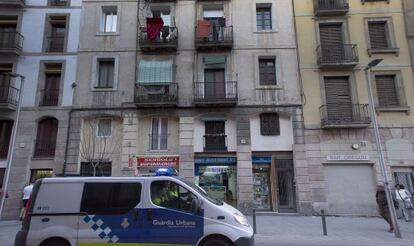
{"x": 44, "y": 37}
{"x": 336, "y": 41}
{"x": 210, "y": 88}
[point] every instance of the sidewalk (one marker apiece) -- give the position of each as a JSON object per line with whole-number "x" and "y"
{"x": 299, "y": 231}
{"x": 349, "y": 231}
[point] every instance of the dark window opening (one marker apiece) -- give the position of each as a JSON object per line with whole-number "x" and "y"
{"x": 46, "y": 138}
{"x": 269, "y": 124}
{"x": 267, "y": 71}
{"x": 6, "y": 127}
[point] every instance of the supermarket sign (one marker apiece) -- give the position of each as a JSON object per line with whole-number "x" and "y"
{"x": 347, "y": 158}
{"x": 155, "y": 161}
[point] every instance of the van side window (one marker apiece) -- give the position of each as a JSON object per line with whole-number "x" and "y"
{"x": 110, "y": 198}
{"x": 171, "y": 195}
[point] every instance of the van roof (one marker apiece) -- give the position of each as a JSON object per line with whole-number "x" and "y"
{"x": 104, "y": 179}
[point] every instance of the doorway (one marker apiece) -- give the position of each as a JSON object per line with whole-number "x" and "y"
{"x": 286, "y": 190}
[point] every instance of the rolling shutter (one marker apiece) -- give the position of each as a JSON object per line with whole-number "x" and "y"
{"x": 377, "y": 35}
{"x": 155, "y": 71}
{"x": 386, "y": 91}
{"x": 332, "y": 41}
{"x": 338, "y": 98}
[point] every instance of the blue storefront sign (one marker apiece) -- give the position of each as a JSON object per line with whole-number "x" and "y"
{"x": 261, "y": 159}
{"x": 215, "y": 161}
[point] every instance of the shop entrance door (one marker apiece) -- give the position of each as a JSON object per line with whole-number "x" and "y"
{"x": 286, "y": 194}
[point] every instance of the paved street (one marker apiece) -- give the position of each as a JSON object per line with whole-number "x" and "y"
{"x": 298, "y": 231}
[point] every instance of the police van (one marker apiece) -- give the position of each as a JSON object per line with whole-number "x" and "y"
{"x": 144, "y": 211}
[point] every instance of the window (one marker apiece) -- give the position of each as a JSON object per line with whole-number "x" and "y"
{"x": 104, "y": 128}
{"x": 95, "y": 169}
{"x": 269, "y": 124}
{"x": 110, "y": 198}
{"x": 46, "y": 138}
{"x": 106, "y": 73}
{"x": 173, "y": 196}
{"x": 378, "y": 35}
{"x": 56, "y": 34}
{"x": 58, "y": 3}
{"x": 387, "y": 92}
{"x": 109, "y": 19}
{"x": 50, "y": 93}
{"x": 263, "y": 17}
{"x": 215, "y": 137}
{"x": 6, "y": 127}
{"x": 159, "y": 134}
{"x": 267, "y": 71}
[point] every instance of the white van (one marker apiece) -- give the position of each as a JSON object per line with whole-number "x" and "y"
{"x": 140, "y": 211}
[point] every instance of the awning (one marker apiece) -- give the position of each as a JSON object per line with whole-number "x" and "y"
{"x": 155, "y": 71}
{"x": 211, "y": 60}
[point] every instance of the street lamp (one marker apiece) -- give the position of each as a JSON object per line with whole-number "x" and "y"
{"x": 390, "y": 202}
{"x": 10, "y": 153}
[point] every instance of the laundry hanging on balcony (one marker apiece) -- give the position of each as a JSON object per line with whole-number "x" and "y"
{"x": 154, "y": 27}
{"x": 203, "y": 29}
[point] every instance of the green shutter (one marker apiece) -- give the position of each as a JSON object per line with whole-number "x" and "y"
{"x": 155, "y": 71}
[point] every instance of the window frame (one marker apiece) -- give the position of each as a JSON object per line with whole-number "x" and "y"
{"x": 400, "y": 90}
{"x": 273, "y": 132}
{"x": 98, "y": 127}
{"x": 263, "y": 6}
{"x": 100, "y": 63}
{"x": 103, "y": 11}
{"x": 267, "y": 59}
{"x": 159, "y": 136}
{"x": 49, "y": 21}
{"x": 95, "y": 73}
{"x": 389, "y": 32}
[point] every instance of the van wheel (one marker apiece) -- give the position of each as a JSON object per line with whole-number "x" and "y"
{"x": 217, "y": 242}
{"x": 55, "y": 242}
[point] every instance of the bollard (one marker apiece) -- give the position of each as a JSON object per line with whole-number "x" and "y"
{"x": 254, "y": 221}
{"x": 325, "y": 233}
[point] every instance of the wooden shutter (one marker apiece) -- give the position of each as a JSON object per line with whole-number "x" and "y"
{"x": 338, "y": 98}
{"x": 378, "y": 35}
{"x": 331, "y": 37}
{"x": 386, "y": 91}
{"x": 46, "y": 137}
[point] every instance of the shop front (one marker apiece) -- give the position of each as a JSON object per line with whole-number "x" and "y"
{"x": 218, "y": 177}
{"x": 273, "y": 183}
{"x": 147, "y": 165}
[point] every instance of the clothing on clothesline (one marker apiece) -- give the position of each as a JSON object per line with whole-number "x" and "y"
{"x": 154, "y": 26}
{"x": 203, "y": 28}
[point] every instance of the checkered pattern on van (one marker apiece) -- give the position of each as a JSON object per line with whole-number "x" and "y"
{"x": 101, "y": 229}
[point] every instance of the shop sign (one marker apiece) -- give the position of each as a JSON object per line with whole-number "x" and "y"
{"x": 215, "y": 160}
{"x": 347, "y": 158}
{"x": 155, "y": 161}
{"x": 261, "y": 159}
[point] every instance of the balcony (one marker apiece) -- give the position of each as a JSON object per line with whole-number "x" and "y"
{"x": 208, "y": 38}
{"x": 9, "y": 97}
{"x": 215, "y": 93}
{"x": 166, "y": 41}
{"x": 12, "y": 3}
{"x": 11, "y": 43}
{"x": 345, "y": 116}
{"x": 44, "y": 150}
{"x": 215, "y": 142}
{"x": 331, "y": 7}
{"x": 334, "y": 56}
{"x": 49, "y": 97}
{"x": 55, "y": 43}
{"x": 58, "y": 3}
{"x": 156, "y": 95}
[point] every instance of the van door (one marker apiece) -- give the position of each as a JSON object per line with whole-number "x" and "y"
{"x": 110, "y": 213}
{"x": 174, "y": 215}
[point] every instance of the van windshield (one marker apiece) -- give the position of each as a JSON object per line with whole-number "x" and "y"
{"x": 201, "y": 192}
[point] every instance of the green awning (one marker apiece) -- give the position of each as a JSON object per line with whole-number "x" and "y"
{"x": 155, "y": 71}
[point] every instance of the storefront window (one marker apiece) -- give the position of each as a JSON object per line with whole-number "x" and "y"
{"x": 40, "y": 173}
{"x": 261, "y": 186}
{"x": 219, "y": 182}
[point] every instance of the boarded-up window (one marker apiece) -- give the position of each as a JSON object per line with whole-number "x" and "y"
{"x": 269, "y": 124}
{"x": 267, "y": 71}
{"x": 387, "y": 91}
{"x": 378, "y": 35}
{"x": 106, "y": 73}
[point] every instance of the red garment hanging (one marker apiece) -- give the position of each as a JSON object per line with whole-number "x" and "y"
{"x": 203, "y": 28}
{"x": 154, "y": 26}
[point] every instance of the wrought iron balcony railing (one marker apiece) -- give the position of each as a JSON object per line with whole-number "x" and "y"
{"x": 215, "y": 92}
{"x": 13, "y": 3}
{"x": 58, "y": 3}
{"x": 215, "y": 142}
{"x": 11, "y": 42}
{"x": 55, "y": 43}
{"x": 331, "y": 7}
{"x": 49, "y": 97}
{"x": 214, "y": 38}
{"x": 9, "y": 95}
{"x": 337, "y": 55}
{"x": 44, "y": 150}
{"x": 156, "y": 94}
{"x": 345, "y": 116}
{"x": 167, "y": 39}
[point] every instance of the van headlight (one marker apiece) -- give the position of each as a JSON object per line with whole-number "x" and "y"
{"x": 241, "y": 219}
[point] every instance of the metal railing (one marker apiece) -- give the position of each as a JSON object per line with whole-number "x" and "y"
{"x": 59, "y": 3}
{"x": 158, "y": 141}
{"x": 215, "y": 142}
{"x": 343, "y": 114}
{"x": 215, "y": 91}
{"x": 13, "y": 2}
{"x": 331, "y": 5}
{"x": 168, "y": 37}
{"x": 217, "y": 35}
{"x": 337, "y": 54}
{"x": 44, "y": 150}
{"x": 156, "y": 93}
{"x": 49, "y": 97}
{"x": 11, "y": 40}
{"x": 55, "y": 43}
{"x": 9, "y": 95}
